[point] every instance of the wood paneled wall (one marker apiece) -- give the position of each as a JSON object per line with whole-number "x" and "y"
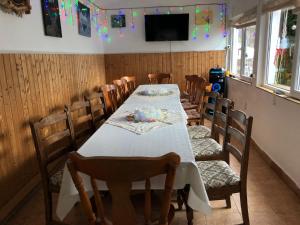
{"x": 32, "y": 86}
{"x": 179, "y": 64}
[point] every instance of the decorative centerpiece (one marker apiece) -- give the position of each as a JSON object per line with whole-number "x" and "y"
{"x": 155, "y": 92}
{"x": 147, "y": 115}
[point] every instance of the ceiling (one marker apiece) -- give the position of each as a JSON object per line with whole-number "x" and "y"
{"x": 117, "y": 4}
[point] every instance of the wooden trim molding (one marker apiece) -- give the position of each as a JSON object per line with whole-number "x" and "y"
{"x": 279, "y": 171}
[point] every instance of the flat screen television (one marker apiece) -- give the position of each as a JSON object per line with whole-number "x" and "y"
{"x": 170, "y": 27}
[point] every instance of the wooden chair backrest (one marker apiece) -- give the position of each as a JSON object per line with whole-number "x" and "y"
{"x": 130, "y": 83}
{"x": 220, "y": 117}
{"x": 159, "y": 78}
{"x": 237, "y": 139}
{"x": 188, "y": 83}
{"x": 112, "y": 94}
{"x": 98, "y": 108}
{"x": 53, "y": 137}
{"x": 82, "y": 120}
{"x": 119, "y": 173}
{"x": 208, "y": 106}
{"x": 121, "y": 88}
{"x": 198, "y": 90}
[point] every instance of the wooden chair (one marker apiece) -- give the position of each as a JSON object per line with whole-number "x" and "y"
{"x": 186, "y": 94}
{"x": 159, "y": 78}
{"x": 198, "y": 85}
{"x": 82, "y": 119}
{"x": 121, "y": 89}
{"x": 130, "y": 83}
{"x": 198, "y": 116}
{"x": 98, "y": 109}
{"x": 119, "y": 173}
{"x": 211, "y": 148}
{"x": 53, "y": 138}
{"x": 219, "y": 179}
{"x": 111, "y": 94}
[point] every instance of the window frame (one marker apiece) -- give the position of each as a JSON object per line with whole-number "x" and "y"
{"x": 295, "y": 83}
{"x": 295, "y": 80}
{"x": 241, "y": 75}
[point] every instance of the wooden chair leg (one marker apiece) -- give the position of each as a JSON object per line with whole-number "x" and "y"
{"x": 179, "y": 200}
{"x": 244, "y": 207}
{"x": 189, "y": 210}
{"x": 228, "y": 202}
{"x": 48, "y": 207}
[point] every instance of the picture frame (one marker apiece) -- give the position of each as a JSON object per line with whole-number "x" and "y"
{"x": 84, "y": 20}
{"x": 51, "y": 18}
{"x": 118, "y": 21}
{"x": 19, "y": 7}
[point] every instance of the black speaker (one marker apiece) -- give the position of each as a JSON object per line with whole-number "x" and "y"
{"x": 218, "y": 80}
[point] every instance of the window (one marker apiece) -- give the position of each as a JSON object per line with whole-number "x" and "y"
{"x": 243, "y": 42}
{"x": 281, "y": 49}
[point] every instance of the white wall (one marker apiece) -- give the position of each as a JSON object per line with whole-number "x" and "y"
{"x": 26, "y": 34}
{"x": 276, "y": 127}
{"x": 135, "y": 41}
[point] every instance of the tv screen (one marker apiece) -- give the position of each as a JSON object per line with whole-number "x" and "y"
{"x": 172, "y": 27}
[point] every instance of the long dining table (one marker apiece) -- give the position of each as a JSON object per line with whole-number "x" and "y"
{"x": 111, "y": 140}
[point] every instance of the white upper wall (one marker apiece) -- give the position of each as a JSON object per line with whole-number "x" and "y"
{"x": 132, "y": 42}
{"x": 26, "y": 34}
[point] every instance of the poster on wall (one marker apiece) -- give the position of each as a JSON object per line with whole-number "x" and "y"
{"x": 84, "y": 20}
{"x": 51, "y": 18}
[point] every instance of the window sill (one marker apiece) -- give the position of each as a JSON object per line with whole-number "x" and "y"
{"x": 284, "y": 96}
{"x": 239, "y": 79}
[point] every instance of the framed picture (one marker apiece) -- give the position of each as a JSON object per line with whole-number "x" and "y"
{"x": 19, "y": 7}
{"x": 51, "y": 18}
{"x": 118, "y": 21}
{"x": 204, "y": 17}
{"x": 84, "y": 20}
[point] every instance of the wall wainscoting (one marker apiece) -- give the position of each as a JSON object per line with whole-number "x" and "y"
{"x": 32, "y": 86}
{"x": 177, "y": 63}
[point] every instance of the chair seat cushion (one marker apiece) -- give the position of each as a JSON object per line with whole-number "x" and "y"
{"x": 188, "y": 105}
{"x": 193, "y": 114}
{"x": 199, "y": 131}
{"x": 205, "y": 147}
{"x": 56, "y": 179}
{"x": 217, "y": 174}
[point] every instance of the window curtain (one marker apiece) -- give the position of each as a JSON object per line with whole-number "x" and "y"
{"x": 246, "y": 19}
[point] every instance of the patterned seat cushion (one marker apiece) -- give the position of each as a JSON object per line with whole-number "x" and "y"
{"x": 217, "y": 174}
{"x": 199, "y": 131}
{"x": 56, "y": 179}
{"x": 205, "y": 147}
{"x": 193, "y": 114}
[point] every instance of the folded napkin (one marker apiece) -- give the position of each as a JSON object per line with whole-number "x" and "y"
{"x": 122, "y": 120}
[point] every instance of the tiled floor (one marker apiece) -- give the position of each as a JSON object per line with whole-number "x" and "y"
{"x": 271, "y": 202}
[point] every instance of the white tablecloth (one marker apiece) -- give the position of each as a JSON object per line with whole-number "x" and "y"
{"x": 115, "y": 141}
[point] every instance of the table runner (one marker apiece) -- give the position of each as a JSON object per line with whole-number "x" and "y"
{"x": 113, "y": 141}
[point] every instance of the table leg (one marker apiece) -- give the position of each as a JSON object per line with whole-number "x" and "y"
{"x": 184, "y": 195}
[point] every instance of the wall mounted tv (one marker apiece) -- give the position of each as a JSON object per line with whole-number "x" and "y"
{"x": 170, "y": 27}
